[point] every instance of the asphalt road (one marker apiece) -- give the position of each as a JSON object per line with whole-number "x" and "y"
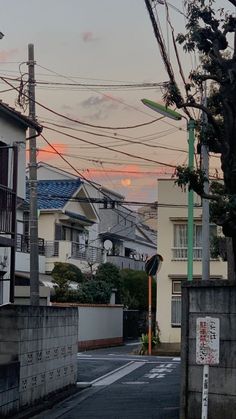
{"x": 123, "y": 386}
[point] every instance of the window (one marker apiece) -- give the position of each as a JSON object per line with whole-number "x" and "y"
{"x": 176, "y": 287}
{"x": 4, "y": 153}
{"x": 176, "y": 304}
{"x": 180, "y": 249}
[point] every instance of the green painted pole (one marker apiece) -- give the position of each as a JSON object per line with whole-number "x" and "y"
{"x": 191, "y": 126}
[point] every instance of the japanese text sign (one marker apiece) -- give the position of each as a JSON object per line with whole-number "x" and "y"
{"x": 208, "y": 341}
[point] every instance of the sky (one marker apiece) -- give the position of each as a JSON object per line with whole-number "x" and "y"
{"x": 88, "y": 45}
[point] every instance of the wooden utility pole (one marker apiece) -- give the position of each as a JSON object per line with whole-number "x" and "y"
{"x": 33, "y": 218}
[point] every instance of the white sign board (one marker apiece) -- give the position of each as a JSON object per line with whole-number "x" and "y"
{"x": 208, "y": 341}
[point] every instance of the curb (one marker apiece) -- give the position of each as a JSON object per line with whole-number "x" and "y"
{"x": 45, "y": 404}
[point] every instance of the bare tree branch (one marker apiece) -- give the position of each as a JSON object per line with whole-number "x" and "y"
{"x": 195, "y": 105}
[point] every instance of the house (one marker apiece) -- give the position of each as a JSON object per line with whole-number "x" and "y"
{"x": 148, "y": 215}
{"x": 13, "y": 126}
{"x": 172, "y": 245}
{"x": 64, "y": 217}
{"x": 129, "y": 241}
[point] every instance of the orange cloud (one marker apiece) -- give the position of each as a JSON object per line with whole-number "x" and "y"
{"x": 46, "y": 153}
{"x": 5, "y": 55}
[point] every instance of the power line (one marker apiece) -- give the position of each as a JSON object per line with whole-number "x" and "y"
{"x": 109, "y": 148}
{"x": 86, "y": 123}
{"x": 120, "y": 139}
{"x": 79, "y": 173}
{"x": 106, "y": 170}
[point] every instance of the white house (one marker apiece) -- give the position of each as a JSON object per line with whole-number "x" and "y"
{"x": 130, "y": 241}
{"x": 13, "y": 126}
{"x": 172, "y": 245}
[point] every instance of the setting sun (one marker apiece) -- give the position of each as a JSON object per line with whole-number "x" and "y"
{"x": 126, "y": 182}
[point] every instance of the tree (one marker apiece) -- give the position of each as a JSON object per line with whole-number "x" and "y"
{"x": 110, "y": 274}
{"x": 63, "y": 274}
{"x": 94, "y": 292}
{"x": 135, "y": 290}
{"x": 208, "y": 31}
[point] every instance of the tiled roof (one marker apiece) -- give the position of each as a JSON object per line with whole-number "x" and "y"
{"x": 19, "y": 117}
{"x": 78, "y": 217}
{"x": 53, "y": 194}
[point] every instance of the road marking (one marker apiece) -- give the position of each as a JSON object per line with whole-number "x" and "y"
{"x": 84, "y": 355}
{"x": 135, "y": 382}
{"x": 117, "y": 374}
{"x": 133, "y": 344}
{"x": 176, "y": 359}
{"x": 154, "y": 375}
{"x": 120, "y": 358}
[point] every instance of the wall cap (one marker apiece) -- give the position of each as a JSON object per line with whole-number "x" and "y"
{"x": 209, "y": 283}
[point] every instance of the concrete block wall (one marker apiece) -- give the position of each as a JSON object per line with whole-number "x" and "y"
{"x": 44, "y": 342}
{"x": 214, "y": 299}
{"x": 9, "y": 388}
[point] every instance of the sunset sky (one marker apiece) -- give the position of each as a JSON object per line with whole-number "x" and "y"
{"x": 85, "y": 45}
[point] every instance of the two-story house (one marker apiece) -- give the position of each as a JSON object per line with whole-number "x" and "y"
{"x": 13, "y": 126}
{"x": 172, "y": 245}
{"x": 130, "y": 241}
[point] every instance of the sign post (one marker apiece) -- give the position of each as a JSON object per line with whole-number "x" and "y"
{"x": 152, "y": 266}
{"x": 207, "y": 353}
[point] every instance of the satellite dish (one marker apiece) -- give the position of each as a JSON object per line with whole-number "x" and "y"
{"x": 108, "y": 245}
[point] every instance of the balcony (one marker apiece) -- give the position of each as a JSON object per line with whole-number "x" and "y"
{"x": 23, "y": 244}
{"x": 7, "y": 204}
{"x": 23, "y": 254}
{"x": 72, "y": 252}
{"x": 181, "y": 253}
{"x": 123, "y": 262}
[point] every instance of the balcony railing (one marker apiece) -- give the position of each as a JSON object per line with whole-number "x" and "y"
{"x": 123, "y": 262}
{"x": 23, "y": 244}
{"x": 51, "y": 249}
{"x": 7, "y": 198}
{"x": 76, "y": 251}
{"x": 181, "y": 253}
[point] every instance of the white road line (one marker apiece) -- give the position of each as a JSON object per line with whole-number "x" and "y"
{"x": 84, "y": 356}
{"x": 115, "y": 358}
{"x": 135, "y": 382}
{"x": 115, "y": 376}
{"x": 176, "y": 359}
{"x": 133, "y": 344}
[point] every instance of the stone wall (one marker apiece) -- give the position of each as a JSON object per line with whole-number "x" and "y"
{"x": 43, "y": 340}
{"x": 214, "y": 299}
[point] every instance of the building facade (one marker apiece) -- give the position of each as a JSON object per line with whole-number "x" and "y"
{"x": 13, "y": 126}
{"x": 172, "y": 245}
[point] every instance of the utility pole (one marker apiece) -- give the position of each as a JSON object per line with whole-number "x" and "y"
{"x": 191, "y": 138}
{"x": 205, "y": 202}
{"x": 33, "y": 218}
